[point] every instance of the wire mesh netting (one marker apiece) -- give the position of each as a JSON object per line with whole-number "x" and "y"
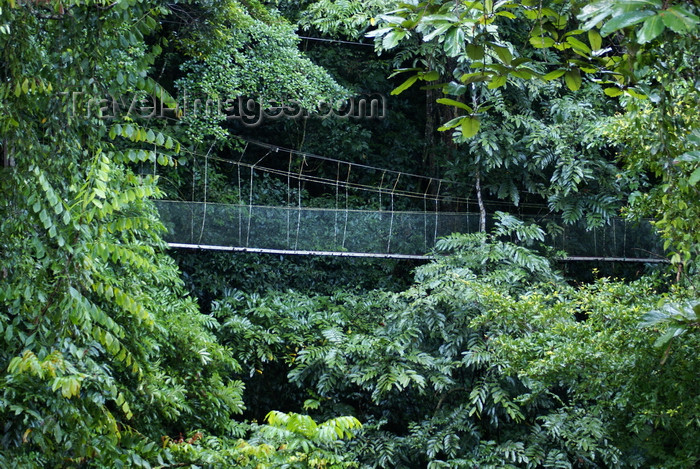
{"x": 379, "y": 232}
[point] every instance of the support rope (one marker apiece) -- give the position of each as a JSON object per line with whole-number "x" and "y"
{"x": 289, "y": 200}
{"x": 206, "y": 185}
{"x": 240, "y": 197}
{"x": 301, "y": 169}
{"x": 250, "y": 198}
{"x": 425, "y": 214}
{"x": 335, "y": 214}
{"x": 345, "y": 228}
{"x": 437, "y": 196}
{"x": 391, "y": 221}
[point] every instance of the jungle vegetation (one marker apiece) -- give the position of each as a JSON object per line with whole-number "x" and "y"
{"x": 116, "y": 351}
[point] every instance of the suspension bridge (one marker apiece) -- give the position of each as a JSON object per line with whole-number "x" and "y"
{"x": 401, "y": 217}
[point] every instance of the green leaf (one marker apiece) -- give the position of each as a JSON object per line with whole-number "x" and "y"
{"x": 378, "y": 32}
{"x": 451, "y": 124}
{"x": 612, "y": 92}
{"x": 454, "y": 40}
{"x": 469, "y": 126}
{"x": 674, "y": 20}
{"x": 474, "y": 77}
{"x": 506, "y": 14}
{"x": 695, "y": 177}
{"x": 452, "y": 102}
{"x": 441, "y": 28}
{"x": 503, "y": 53}
{"x": 573, "y": 79}
{"x": 430, "y": 76}
{"x": 497, "y": 82}
{"x": 624, "y": 20}
{"x": 578, "y": 45}
{"x": 688, "y": 19}
{"x": 475, "y": 52}
{"x": 541, "y": 42}
{"x": 595, "y": 39}
{"x": 651, "y": 28}
{"x": 392, "y": 39}
{"x": 553, "y": 75}
{"x": 405, "y": 85}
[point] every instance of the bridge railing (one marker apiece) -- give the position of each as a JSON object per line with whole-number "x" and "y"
{"x": 376, "y": 232}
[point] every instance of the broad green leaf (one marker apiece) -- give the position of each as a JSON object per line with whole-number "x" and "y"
{"x": 695, "y": 177}
{"x": 524, "y": 73}
{"x": 454, "y": 40}
{"x": 497, "y": 82}
{"x": 594, "y": 20}
{"x": 672, "y": 22}
{"x": 475, "y": 77}
{"x": 469, "y": 126}
{"x": 595, "y": 39}
{"x": 392, "y": 39}
{"x": 503, "y": 53}
{"x": 612, "y": 92}
{"x": 378, "y": 32}
{"x": 430, "y": 76}
{"x": 624, "y": 20}
{"x": 405, "y": 85}
{"x": 690, "y": 156}
{"x": 451, "y": 124}
{"x": 688, "y": 19}
{"x": 452, "y": 102}
{"x": 678, "y": 20}
{"x": 438, "y": 31}
{"x": 636, "y": 93}
{"x": 573, "y": 79}
{"x": 651, "y": 28}
{"x": 553, "y": 75}
{"x": 475, "y": 52}
{"x": 541, "y": 42}
{"x": 506, "y": 14}
{"x": 578, "y": 45}
{"x": 454, "y": 89}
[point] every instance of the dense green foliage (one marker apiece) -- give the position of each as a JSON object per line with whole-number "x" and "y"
{"x": 115, "y": 354}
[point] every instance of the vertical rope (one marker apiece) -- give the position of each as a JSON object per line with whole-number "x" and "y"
{"x": 250, "y": 206}
{"x": 335, "y": 216}
{"x": 595, "y": 241}
{"x": 240, "y": 198}
{"x": 301, "y": 169}
{"x": 194, "y": 161}
{"x": 425, "y": 214}
{"x": 250, "y": 198}
{"x": 437, "y": 198}
{"x": 347, "y": 184}
{"x": 289, "y": 200}
{"x": 563, "y": 237}
{"x": 206, "y": 182}
{"x": 381, "y": 185}
{"x": 391, "y": 221}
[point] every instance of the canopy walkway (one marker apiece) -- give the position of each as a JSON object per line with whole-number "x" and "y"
{"x": 381, "y": 230}
{"x": 366, "y": 233}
